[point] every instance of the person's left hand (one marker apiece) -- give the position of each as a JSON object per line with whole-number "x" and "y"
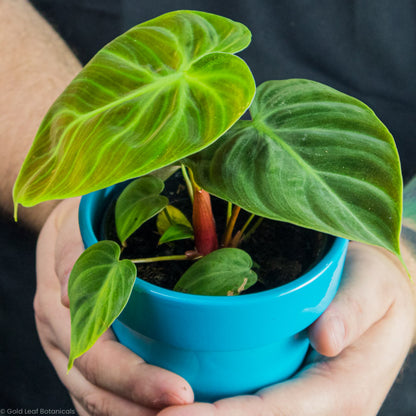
{"x": 109, "y": 379}
{"x": 364, "y": 337}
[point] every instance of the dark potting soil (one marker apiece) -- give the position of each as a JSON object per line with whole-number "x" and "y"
{"x": 281, "y": 252}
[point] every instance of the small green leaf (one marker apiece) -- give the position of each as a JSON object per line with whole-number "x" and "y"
{"x": 176, "y": 232}
{"x": 140, "y": 201}
{"x": 224, "y": 272}
{"x": 171, "y": 216}
{"x": 99, "y": 288}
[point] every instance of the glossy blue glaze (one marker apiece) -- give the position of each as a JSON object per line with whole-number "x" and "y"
{"x": 222, "y": 346}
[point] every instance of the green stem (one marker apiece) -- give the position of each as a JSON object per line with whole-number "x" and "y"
{"x": 253, "y": 228}
{"x": 230, "y": 226}
{"x": 188, "y": 181}
{"x": 162, "y": 258}
{"x": 247, "y": 223}
{"x": 229, "y": 212}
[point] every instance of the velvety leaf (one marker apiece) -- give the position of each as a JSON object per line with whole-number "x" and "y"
{"x": 166, "y": 172}
{"x": 163, "y": 90}
{"x": 99, "y": 288}
{"x": 171, "y": 216}
{"x": 176, "y": 232}
{"x": 224, "y": 272}
{"x": 311, "y": 156}
{"x": 139, "y": 201}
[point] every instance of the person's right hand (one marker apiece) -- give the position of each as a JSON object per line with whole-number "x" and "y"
{"x": 109, "y": 379}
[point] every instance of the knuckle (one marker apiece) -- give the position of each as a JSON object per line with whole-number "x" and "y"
{"x": 352, "y": 317}
{"x": 88, "y": 366}
{"x": 64, "y": 261}
{"x": 40, "y": 316}
{"x": 97, "y": 405}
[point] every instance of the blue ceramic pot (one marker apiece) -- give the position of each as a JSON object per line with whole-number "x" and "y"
{"x": 223, "y": 346}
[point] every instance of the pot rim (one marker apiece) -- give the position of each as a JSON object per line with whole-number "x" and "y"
{"x": 88, "y": 209}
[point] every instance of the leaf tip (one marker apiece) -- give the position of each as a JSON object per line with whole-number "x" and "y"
{"x": 16, "y": 206}
{"x": 15, "y": 202}
{"x": 70, "y": 365}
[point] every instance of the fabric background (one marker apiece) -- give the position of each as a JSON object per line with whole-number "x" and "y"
{"x": 366, "y": 48}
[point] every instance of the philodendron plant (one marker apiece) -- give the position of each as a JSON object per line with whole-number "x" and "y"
{"x": 169, "y": 93}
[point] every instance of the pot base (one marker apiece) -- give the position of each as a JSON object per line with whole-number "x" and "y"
{"x": 215, "y": 375}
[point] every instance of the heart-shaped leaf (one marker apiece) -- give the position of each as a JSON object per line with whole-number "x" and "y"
{"x": 139, "y": 201}
{"x": 163, "y": 90}
{"x": 224, "y": 272}
{"x": 173, "y": 225}
{"x": 311, "y": 156}
{"x": 99, "y": 288}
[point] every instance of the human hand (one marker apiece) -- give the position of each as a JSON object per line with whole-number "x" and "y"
{"x": 109, "y": 379}
{"x": 364, "y": 337}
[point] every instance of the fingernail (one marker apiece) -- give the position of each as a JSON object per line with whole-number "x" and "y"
{"x": 168, "y": 399}
{"x": 336, "y": 333}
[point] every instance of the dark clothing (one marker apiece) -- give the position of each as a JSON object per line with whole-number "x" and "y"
{"x": 366, "y": 48}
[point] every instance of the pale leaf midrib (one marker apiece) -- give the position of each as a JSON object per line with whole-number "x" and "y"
{"x": 167, "y": 80}
{"x": 263, "y": 128}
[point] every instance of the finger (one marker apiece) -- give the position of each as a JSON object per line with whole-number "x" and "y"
{"x": 90, "y": 398}
{"x": 68, "y": 245}
{"x": 78, "y": 407}
{"x": 368, "y": 289}
{"x": 132, "y": 377}
{"x": 354, "y": 383}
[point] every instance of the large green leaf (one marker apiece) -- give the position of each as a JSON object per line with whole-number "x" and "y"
{"x": 223, "y": 272}
{"x": 139, "y": 201}
{"x": 99, "y": 288}
{"x": 163, "y": 90}
{"x": 311, "y": 156}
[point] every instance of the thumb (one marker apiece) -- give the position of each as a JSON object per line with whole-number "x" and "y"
{"x": 69, "y": 244}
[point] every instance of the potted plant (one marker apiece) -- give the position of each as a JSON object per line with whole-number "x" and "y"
{"x": 166, "y": 96}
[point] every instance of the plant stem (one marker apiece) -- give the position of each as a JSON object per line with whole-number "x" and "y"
{"x": 230, "y": 226}
{"x": 205, "y": 234}
{"x": 162, "y": 258}
{"x": 239, "y": 235}
{"x": 229, "y": 212}
{"x": 253, "y": 228}
{"x": 188, "y": 181}
{"x": 236, "y": 240}
{"x": 247, "y": 223}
